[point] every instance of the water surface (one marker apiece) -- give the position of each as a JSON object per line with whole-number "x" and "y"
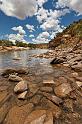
{"x": 36, "y": 65}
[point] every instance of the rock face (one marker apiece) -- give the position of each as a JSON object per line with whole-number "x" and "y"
{"x": 63, "y": 90}
{"x": 20, "y": 87}
{"x": 15, "y": 78}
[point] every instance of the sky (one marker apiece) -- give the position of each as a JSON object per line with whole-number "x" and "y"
{"x": 36, "y": 21}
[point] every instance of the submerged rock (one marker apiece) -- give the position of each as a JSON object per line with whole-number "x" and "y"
{"x": 20, "y": 87}
{"x": 14, "y": 70}
{"x": 15, "y": 78}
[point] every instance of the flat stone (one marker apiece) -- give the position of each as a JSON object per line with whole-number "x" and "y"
{"x": 36, "y": 117}
{"x": 15, "y": 78}
{"x": 20, "y": 87}
{"x": 22, "y": 95}
{"x": 63, "y": 90}
{"x": 49, "y": 82}
{"x": 17, "y": 114}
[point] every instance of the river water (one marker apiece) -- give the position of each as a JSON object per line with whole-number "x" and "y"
{"x": 36, "y": 65}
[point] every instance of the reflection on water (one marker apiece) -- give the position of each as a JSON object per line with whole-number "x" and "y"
{"x": 37, "y": 65}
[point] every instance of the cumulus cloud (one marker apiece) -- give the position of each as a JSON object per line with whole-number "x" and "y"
{"x": 75, "y": 5}
{"x": 42, "y": 38}
{"x": 19, "y": 36}
{"x": 19, "y": 8}
{"x": 31, "y": 35}
{"x": 30, "y": 27}
{"x": 19, "y": 29}
{"x": 16, "y": 37}
{"x": 42, "y": 14}
{"x": 41, "y": 2}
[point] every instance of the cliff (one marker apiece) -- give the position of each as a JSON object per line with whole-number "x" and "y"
{"x": 70, "y": 37}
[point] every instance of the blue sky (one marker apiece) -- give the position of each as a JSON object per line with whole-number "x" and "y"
{"x": 36, "y": 21}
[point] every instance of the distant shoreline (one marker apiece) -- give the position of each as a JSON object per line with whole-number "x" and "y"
{"x": 12, "y": 48}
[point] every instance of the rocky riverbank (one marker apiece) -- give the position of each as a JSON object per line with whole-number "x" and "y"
{"x": 65, "y": 57}
{"x": 12, "y": 48}
{"x": 27, "y": 98}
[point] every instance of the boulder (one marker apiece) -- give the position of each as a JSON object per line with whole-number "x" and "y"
{"x": 15, "y": 78}
{"x": 22, "y": 95}
{"x": 63, "y": 90}
{"x": 20, "y": 87}
{"x": 57, "y": 61}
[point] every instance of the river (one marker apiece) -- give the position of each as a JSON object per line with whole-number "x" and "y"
{"x": 36, "y": 65}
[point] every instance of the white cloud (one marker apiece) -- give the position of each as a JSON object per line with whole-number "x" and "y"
{"x": 19, "y": 8}
{"x": 19, "y": 36}
{"x": 44, "y": 35}
{"x": 41, "y": 2}
{"x": 31, "y": 35}
{"x": 30, "y": 27}
{"x": 52, "y": 21}
{"x": 19, "y": 29}
{"x": 42, "y": 38}
{"x": 16, "y": 37}
{"x": 75, "y": 5}
{"x": 42, "y": 14}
